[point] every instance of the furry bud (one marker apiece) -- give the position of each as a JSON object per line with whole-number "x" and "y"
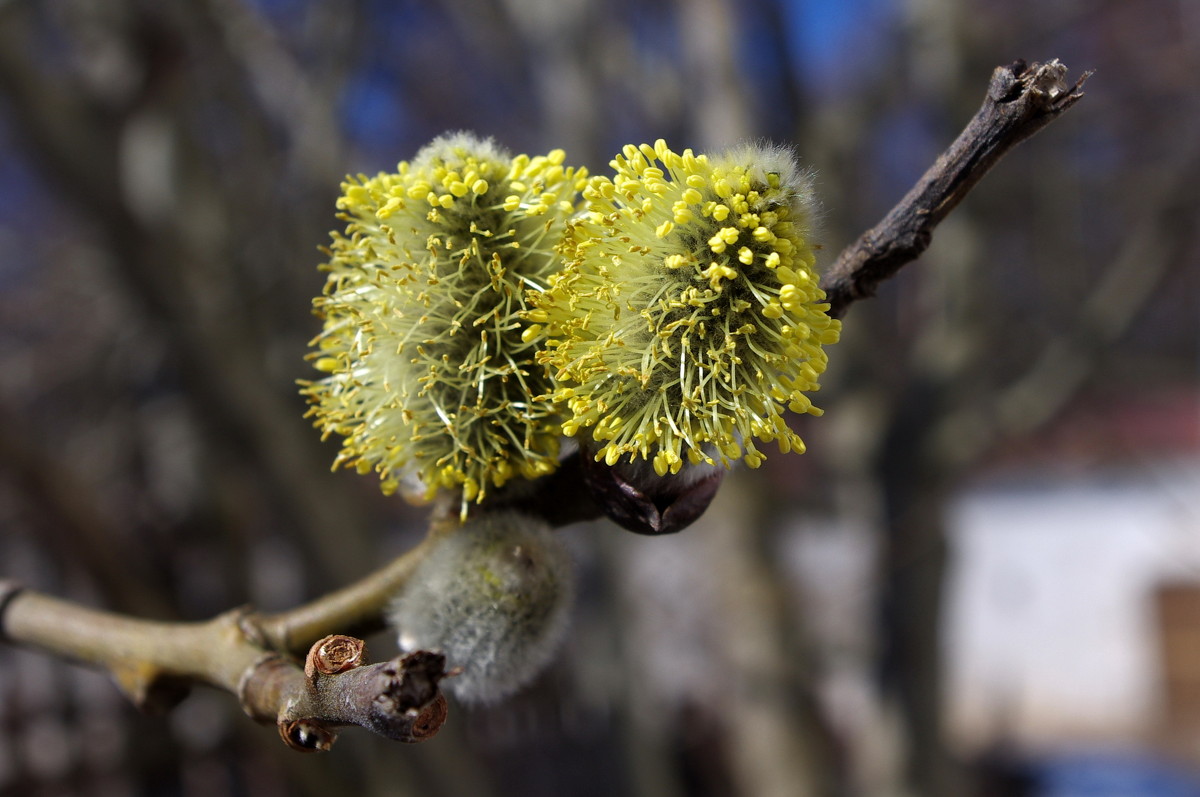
{"x": 493, "y": 596}
{"x": 688, "y": 316}
{"x": 429, "y": 371}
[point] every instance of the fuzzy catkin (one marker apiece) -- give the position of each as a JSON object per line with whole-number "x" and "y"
{"x": 428, "y": 377}
{"x": 687, "y": 315}
{"x": 494, "y": 596}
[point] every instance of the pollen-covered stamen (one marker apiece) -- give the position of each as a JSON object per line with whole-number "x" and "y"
{"x": 431, "y": 371}
{"x": 702, "y": 315}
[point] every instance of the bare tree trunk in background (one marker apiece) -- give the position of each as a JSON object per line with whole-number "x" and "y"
{"x": 914, "y": 481}
{"x": 711, "y": 35}
{"x": 912, "y": 574}
{"x": 778, "y": 740}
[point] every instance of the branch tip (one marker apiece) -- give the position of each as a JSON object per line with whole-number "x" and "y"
{"x": 412, "y": 679}
{"x": 409, "y": 706}
{"x": 1021, "y": 99}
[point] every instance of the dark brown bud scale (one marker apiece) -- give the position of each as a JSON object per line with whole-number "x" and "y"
{"x": 428, "y": 721}
{"x": 643, "y": 502}
{"x": 306, "y": 735}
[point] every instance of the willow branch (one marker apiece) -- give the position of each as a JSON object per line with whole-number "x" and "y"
{"x": 245, "y": 654}
{"x": 1021, "y": 100}
{"x": 356, "y": 609}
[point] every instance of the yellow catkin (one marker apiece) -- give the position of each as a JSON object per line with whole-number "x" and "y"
{"x": 429, "y": 370}
{"x": 687, "y": 307}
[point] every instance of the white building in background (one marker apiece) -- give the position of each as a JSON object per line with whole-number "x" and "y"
{"x": 1051, "y": 633}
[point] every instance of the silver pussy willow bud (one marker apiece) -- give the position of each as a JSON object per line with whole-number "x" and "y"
{"x": 494, "y": 596}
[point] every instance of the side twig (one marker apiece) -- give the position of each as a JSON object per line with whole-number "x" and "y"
{"x": 1021, "y": 100}
{"x": 247, "y": 655}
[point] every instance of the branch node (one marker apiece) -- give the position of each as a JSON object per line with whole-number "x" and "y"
{"x": 307, "y": 735}
{"x": 247, "y": 621}
{"x": 1021, "y": 99}
{"x": 428, "y": 721}
{"x": 334, "y": 654}
{"x": 1005, "y": 85}
{"x": 262, "y": 677}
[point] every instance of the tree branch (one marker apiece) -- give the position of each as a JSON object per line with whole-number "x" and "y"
{"x": 357, "y": 608}
{"x": 244, "y": 654}
{"x": 1020, "y": 101}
